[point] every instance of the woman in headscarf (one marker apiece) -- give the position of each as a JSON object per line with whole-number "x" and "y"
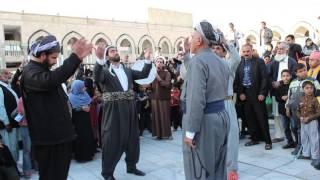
{"x": 84, "y": 146}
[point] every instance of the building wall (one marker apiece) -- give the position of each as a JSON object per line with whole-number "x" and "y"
{"x": 64, "y": 28}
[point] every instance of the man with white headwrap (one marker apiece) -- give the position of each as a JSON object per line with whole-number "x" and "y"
{"x": 119, "y": 126}
{"x": 205, "y": 120}
{"x": 46, "y": 105}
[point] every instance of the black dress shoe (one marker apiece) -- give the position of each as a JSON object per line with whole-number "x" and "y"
{"x": 296, "y": 151}
{"x": 289, "y": 145}
{"x": 136, "y": 172}
{"x": 251, "y": 143}
{"x": 268, "y": 147}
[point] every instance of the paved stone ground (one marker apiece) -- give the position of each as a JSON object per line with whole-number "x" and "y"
{"x": 162, "y": 160}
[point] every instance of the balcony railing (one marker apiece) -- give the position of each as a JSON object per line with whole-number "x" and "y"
{"x": 13, "y": 48}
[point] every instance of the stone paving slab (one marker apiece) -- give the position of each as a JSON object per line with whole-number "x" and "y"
{"x": 162, "y": 160}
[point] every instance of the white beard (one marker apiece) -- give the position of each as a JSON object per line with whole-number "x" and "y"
{"x": 280, "y": 57}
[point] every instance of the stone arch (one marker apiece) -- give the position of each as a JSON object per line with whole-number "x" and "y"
{"x": 178, "y": 44}
{"x": 36, "y": 35}
{"x": 165, "y": 45}
{"x": 253, "y": 36}
{"x": 302, "y": 30}
{"x": 146, "y": 42}
{"x": 100, "y": 37}
{"x": 278, "y": 33}
{"x": 126, "y": 46}
{"x": 67, "y": 41}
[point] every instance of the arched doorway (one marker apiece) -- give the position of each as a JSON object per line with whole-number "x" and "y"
{"x": 126, "y": 46}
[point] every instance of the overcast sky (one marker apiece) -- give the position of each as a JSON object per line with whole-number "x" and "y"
{"x": 246, "y": 14}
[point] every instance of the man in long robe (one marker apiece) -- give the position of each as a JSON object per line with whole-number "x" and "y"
{"x": 228, "y": 52}
{"x": 205, "y": 120}
{"x": 119, "y": 125}
{"x": 8, "y": 108}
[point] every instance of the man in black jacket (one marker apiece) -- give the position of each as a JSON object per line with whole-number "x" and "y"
{"x": 46, "y": 105}
{"x": 251, "y": 85}
{"x": 295, "y": 50}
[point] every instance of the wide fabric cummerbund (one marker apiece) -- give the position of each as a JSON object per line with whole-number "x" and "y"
{"x": 212, "y": 107}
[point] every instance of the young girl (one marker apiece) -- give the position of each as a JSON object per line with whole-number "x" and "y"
{"x": 308, "y": 112}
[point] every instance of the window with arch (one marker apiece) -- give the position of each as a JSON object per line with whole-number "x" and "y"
{"x": 125, "y": 47}
{"x": 165, "y": 48}
{"x": 101, "y": 41}
{"x": 147, "y": 45}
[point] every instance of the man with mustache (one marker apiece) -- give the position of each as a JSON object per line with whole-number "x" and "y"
{"x": 119, "y": 126}
{"x": 251, "y": 83}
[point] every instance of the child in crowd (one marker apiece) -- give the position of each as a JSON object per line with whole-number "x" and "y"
{"x": 175, "y": 112}
{"x": 308, "y": 112}
{"x": 24, "y": 134}
{"x": 281, "y": 95}
{"x": 144, "y": 109}
{"x": 292, "y": 104}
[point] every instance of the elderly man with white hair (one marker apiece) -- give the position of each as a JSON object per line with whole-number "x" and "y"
{"x": 205, "y": 120}
{"x": 281, "y": 61}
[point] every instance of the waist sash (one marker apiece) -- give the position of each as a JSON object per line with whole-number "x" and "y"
{"x": 212, "y": 107}
{"x": 118, "y": 96}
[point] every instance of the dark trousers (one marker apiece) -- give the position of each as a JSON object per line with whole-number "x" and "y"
{"x": 9, "y": 173}
{"x": 144, "y": 120}
{"x": 122, "y": 136}
{"x": 256, "y": 115}
{"x": 286, "y": 123}
{"x": 241, "y": 114}
{"x": 53, "y": 160}
{"x": 176, "y": 116}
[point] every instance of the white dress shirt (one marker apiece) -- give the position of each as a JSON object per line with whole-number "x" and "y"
{"x": 122, "y": 76}
{"x": 282, "y": 66}
{"x": 119, "y": 70}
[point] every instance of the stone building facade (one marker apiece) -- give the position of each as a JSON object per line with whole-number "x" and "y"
{"x": 19, "y": 30}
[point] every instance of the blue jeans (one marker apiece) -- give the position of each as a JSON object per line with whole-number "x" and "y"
{"x": 296, "y": 128}
{"x": 24, "y": 133}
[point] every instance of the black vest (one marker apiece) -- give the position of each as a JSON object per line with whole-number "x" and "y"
{"x": 10, "y": 105}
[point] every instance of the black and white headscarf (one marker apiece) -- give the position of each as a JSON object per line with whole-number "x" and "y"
{"x": 208, "y": 31}
{"x": 47, "y": 43}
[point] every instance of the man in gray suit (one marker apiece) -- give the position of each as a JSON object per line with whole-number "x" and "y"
{"x": 205, "y": 120}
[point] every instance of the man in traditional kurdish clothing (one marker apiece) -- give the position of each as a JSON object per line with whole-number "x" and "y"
{"x": 46, "y": 105}
{"x": 228, "y": 52}
{"x": 119, "y": 126}
{"x": 8, "y": 109}
{"x": 205, "y": 120}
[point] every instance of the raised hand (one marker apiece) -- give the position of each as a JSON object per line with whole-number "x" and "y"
{"x": 186, "y": 45}
{"x": 100, "y": 51}
{"x": 81, "y": 48}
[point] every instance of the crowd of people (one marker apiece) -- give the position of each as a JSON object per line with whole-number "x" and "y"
{"x": 216, "y": 90}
